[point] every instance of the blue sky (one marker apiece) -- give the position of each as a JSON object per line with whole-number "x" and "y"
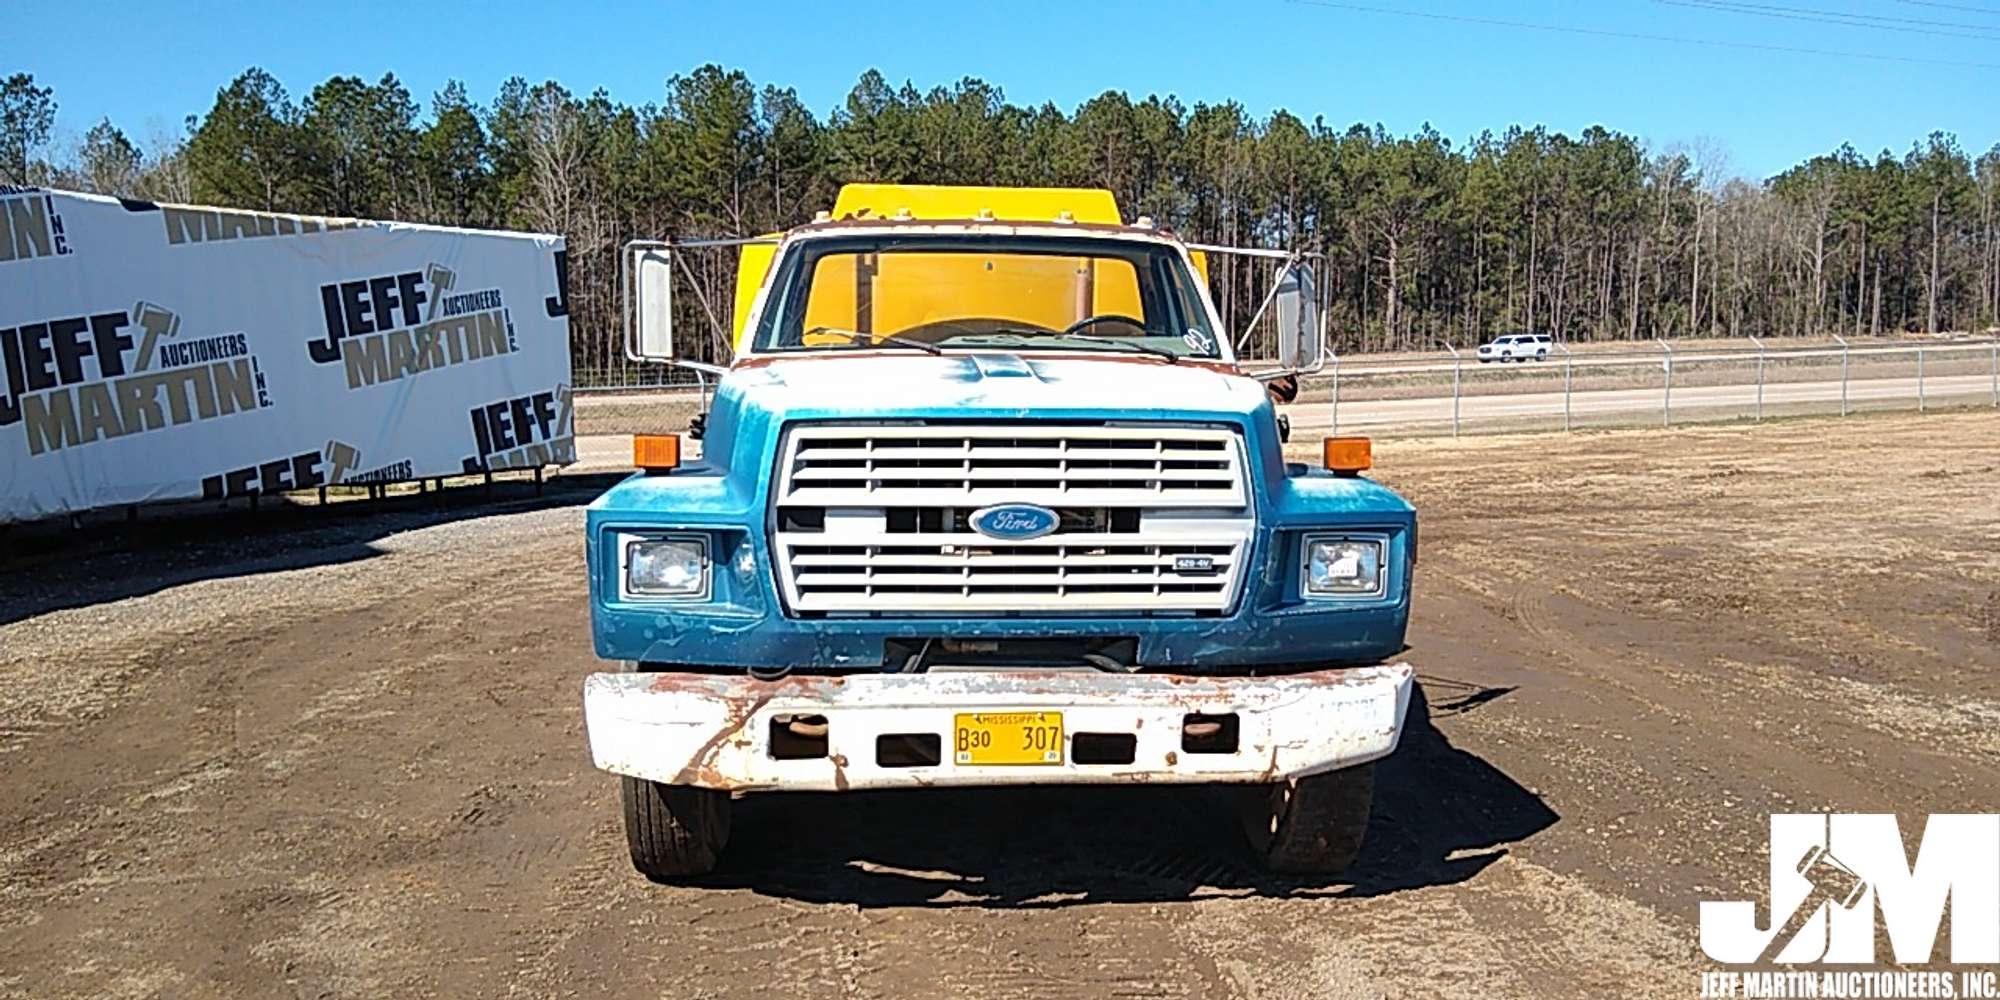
{"x": 148, "y": 66}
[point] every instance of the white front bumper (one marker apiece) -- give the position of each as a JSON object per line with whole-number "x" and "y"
{"x": 713, "y": 730}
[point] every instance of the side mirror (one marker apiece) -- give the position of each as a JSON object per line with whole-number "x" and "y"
{"x": 653, "y": 303}
{"x": 1300, "y": 335}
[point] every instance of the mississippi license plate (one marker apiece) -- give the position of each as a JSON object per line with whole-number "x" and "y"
{"x": 981, "y": 738}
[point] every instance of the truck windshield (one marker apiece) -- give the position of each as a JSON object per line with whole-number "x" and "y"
{"x": 1075, "y": 294}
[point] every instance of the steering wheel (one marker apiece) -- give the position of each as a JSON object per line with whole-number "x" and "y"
{"x": 1089, "y": 321}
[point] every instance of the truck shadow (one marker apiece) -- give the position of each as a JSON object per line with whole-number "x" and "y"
{"x": 1441, "y": 816}
{"x": 49, "y": 566}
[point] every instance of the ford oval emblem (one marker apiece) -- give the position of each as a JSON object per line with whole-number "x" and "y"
{"x": 1015, "y": 522}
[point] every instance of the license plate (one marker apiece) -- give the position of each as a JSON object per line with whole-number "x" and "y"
{"x": 981, "y": 738}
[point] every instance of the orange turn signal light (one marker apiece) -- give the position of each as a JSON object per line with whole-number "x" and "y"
{"x": 656, "y": 452}
{"x": 1349, "y": 455}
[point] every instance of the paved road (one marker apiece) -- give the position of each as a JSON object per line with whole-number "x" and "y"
{"x": 599, "y": 451}
{"x": 1652, "y": 358}
{"x": 1474, "y": 410}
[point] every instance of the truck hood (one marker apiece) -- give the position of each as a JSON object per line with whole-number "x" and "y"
{"x": 993, "y": 384}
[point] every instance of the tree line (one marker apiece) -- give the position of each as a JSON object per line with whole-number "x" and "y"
{"x": 1588, "y": 237}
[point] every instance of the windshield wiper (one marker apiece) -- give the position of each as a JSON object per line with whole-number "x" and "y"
{"x": 1011, "y": 337}
{"x": 1158, "y": 352}
{"x": 874, "y": 339}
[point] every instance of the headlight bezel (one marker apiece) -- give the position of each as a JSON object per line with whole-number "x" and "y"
{"x": 704, "y": 588}
{"x": 1379, "y": 542}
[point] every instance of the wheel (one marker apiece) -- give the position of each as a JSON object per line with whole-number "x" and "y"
{"x": 1312, "y": 825}
{"x": 673, "y": 830}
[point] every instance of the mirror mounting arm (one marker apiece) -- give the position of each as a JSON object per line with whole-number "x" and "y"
{"x": 699, "y": 366}
{"x": 1289, "y": 261}
{"x": 1302, "y": 346}
{"x": 645, "y": 289}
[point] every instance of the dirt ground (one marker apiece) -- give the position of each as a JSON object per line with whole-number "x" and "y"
{"x": 340, "y": 754}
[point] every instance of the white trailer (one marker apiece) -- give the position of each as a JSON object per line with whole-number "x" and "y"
{"x": 166, "y": 352}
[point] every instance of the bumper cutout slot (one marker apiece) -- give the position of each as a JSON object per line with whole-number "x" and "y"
{"x": 798, "y": 737}
{"x": 908, "y": 750}
{"x": 1210, "y": 733}
{"x": 1103, "y": 748}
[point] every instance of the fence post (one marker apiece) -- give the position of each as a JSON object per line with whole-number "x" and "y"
{"x": 1457, "y": 366}
{"x": 1920, "y": 380}
{"x": 1336, "y": 394}
{"x": 1667, "y": 400}
{"x": 1568, "y": 364}
{"x": 1760, "y": 377}
{"x": 1993, "y": 372}
{"x": 1843, "y": 372}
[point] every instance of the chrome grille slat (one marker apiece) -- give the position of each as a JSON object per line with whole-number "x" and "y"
{"x": 885, "y": 561}
{"x": 1136, "y": 498}
{"x": 889, "y": 474}
{"x": 983, "y": 450}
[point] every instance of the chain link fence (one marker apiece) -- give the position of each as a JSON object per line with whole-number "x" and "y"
{"x": 1446, "y": 393}
{"x": 1456, "y": 392}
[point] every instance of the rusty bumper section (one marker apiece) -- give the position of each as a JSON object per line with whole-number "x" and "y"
{"x": 717, "y": 731}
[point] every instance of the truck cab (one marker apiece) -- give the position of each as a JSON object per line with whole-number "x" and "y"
{"x": 985, "y": 499}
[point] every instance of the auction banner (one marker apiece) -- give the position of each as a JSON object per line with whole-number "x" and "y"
{"x": 167, "y": 352}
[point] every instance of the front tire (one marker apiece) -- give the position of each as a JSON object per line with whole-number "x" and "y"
{"x": 673, "y": 831}
{"x": 1312, "y": 825}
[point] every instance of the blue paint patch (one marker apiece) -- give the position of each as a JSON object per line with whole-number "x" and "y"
{"x": 1003, "y": 366}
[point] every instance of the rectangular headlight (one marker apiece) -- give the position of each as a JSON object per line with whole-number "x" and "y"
{"x": 1341, "y": 566}
{"x": 674, "y": 567}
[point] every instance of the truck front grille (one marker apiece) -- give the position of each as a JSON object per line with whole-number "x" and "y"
{"x": 874, "y": 518}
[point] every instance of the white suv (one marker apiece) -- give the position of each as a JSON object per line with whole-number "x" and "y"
{"x": 1516, "y": 347}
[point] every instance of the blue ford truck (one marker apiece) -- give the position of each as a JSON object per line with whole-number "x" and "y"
{"x": 984, "y": 499}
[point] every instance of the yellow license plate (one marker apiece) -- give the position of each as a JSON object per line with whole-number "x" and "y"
{"x": 1007, "y": 738}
